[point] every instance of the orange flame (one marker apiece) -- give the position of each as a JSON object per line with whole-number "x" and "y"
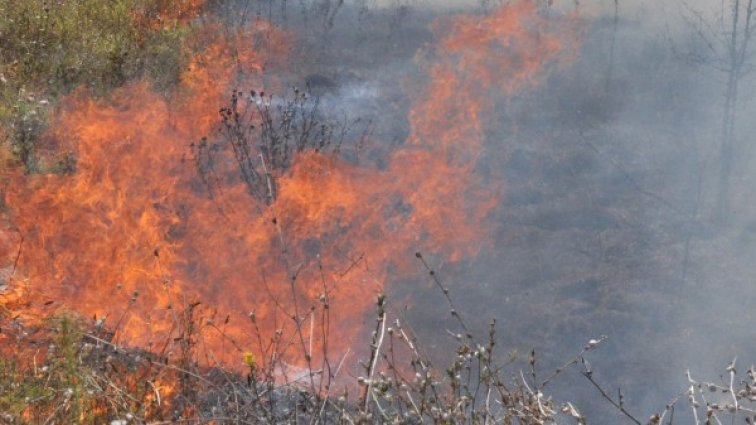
{"x": 161, "y": 14}
{"x": 133, "y": 236}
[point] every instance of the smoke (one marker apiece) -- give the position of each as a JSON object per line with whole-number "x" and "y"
{"x": 563, "y": 187}
{"x": 607, "y": 225}
{"x": 612, "y": 179}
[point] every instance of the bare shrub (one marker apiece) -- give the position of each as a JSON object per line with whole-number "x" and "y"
{"x": 263, "y": 133}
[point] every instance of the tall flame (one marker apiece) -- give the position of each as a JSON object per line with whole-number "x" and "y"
{"x": 133, "y": 235}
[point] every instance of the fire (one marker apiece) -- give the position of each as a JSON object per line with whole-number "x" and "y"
{"x": 132, "y": 235}
{"x": 161, "y": 14}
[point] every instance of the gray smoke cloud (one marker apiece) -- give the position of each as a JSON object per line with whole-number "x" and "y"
{"x": 611, "y": 167}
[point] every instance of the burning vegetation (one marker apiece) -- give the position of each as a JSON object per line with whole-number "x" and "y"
{"x": 190, "y": 234}
{"x": 272, "y": 216}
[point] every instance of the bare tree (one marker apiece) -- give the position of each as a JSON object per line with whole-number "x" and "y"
{"x": 738, "y": 58}
{"x": 726, "y": 47}
{"x": 612, "y": 48}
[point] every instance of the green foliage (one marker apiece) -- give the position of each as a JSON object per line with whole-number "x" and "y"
{"x": 26, "y": 118}
{"x": 17, "y": 390}
{"x": 163, "y": 57}
{"x": 101, "y": 43}
{"x": 58, "y": 381}
{"x": 51, "y": 47}
{"x": 73, "y": 381}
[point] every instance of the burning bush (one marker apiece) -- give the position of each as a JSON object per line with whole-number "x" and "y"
{"x": 264, "y": 134}
{"x": 322, "y": 235}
